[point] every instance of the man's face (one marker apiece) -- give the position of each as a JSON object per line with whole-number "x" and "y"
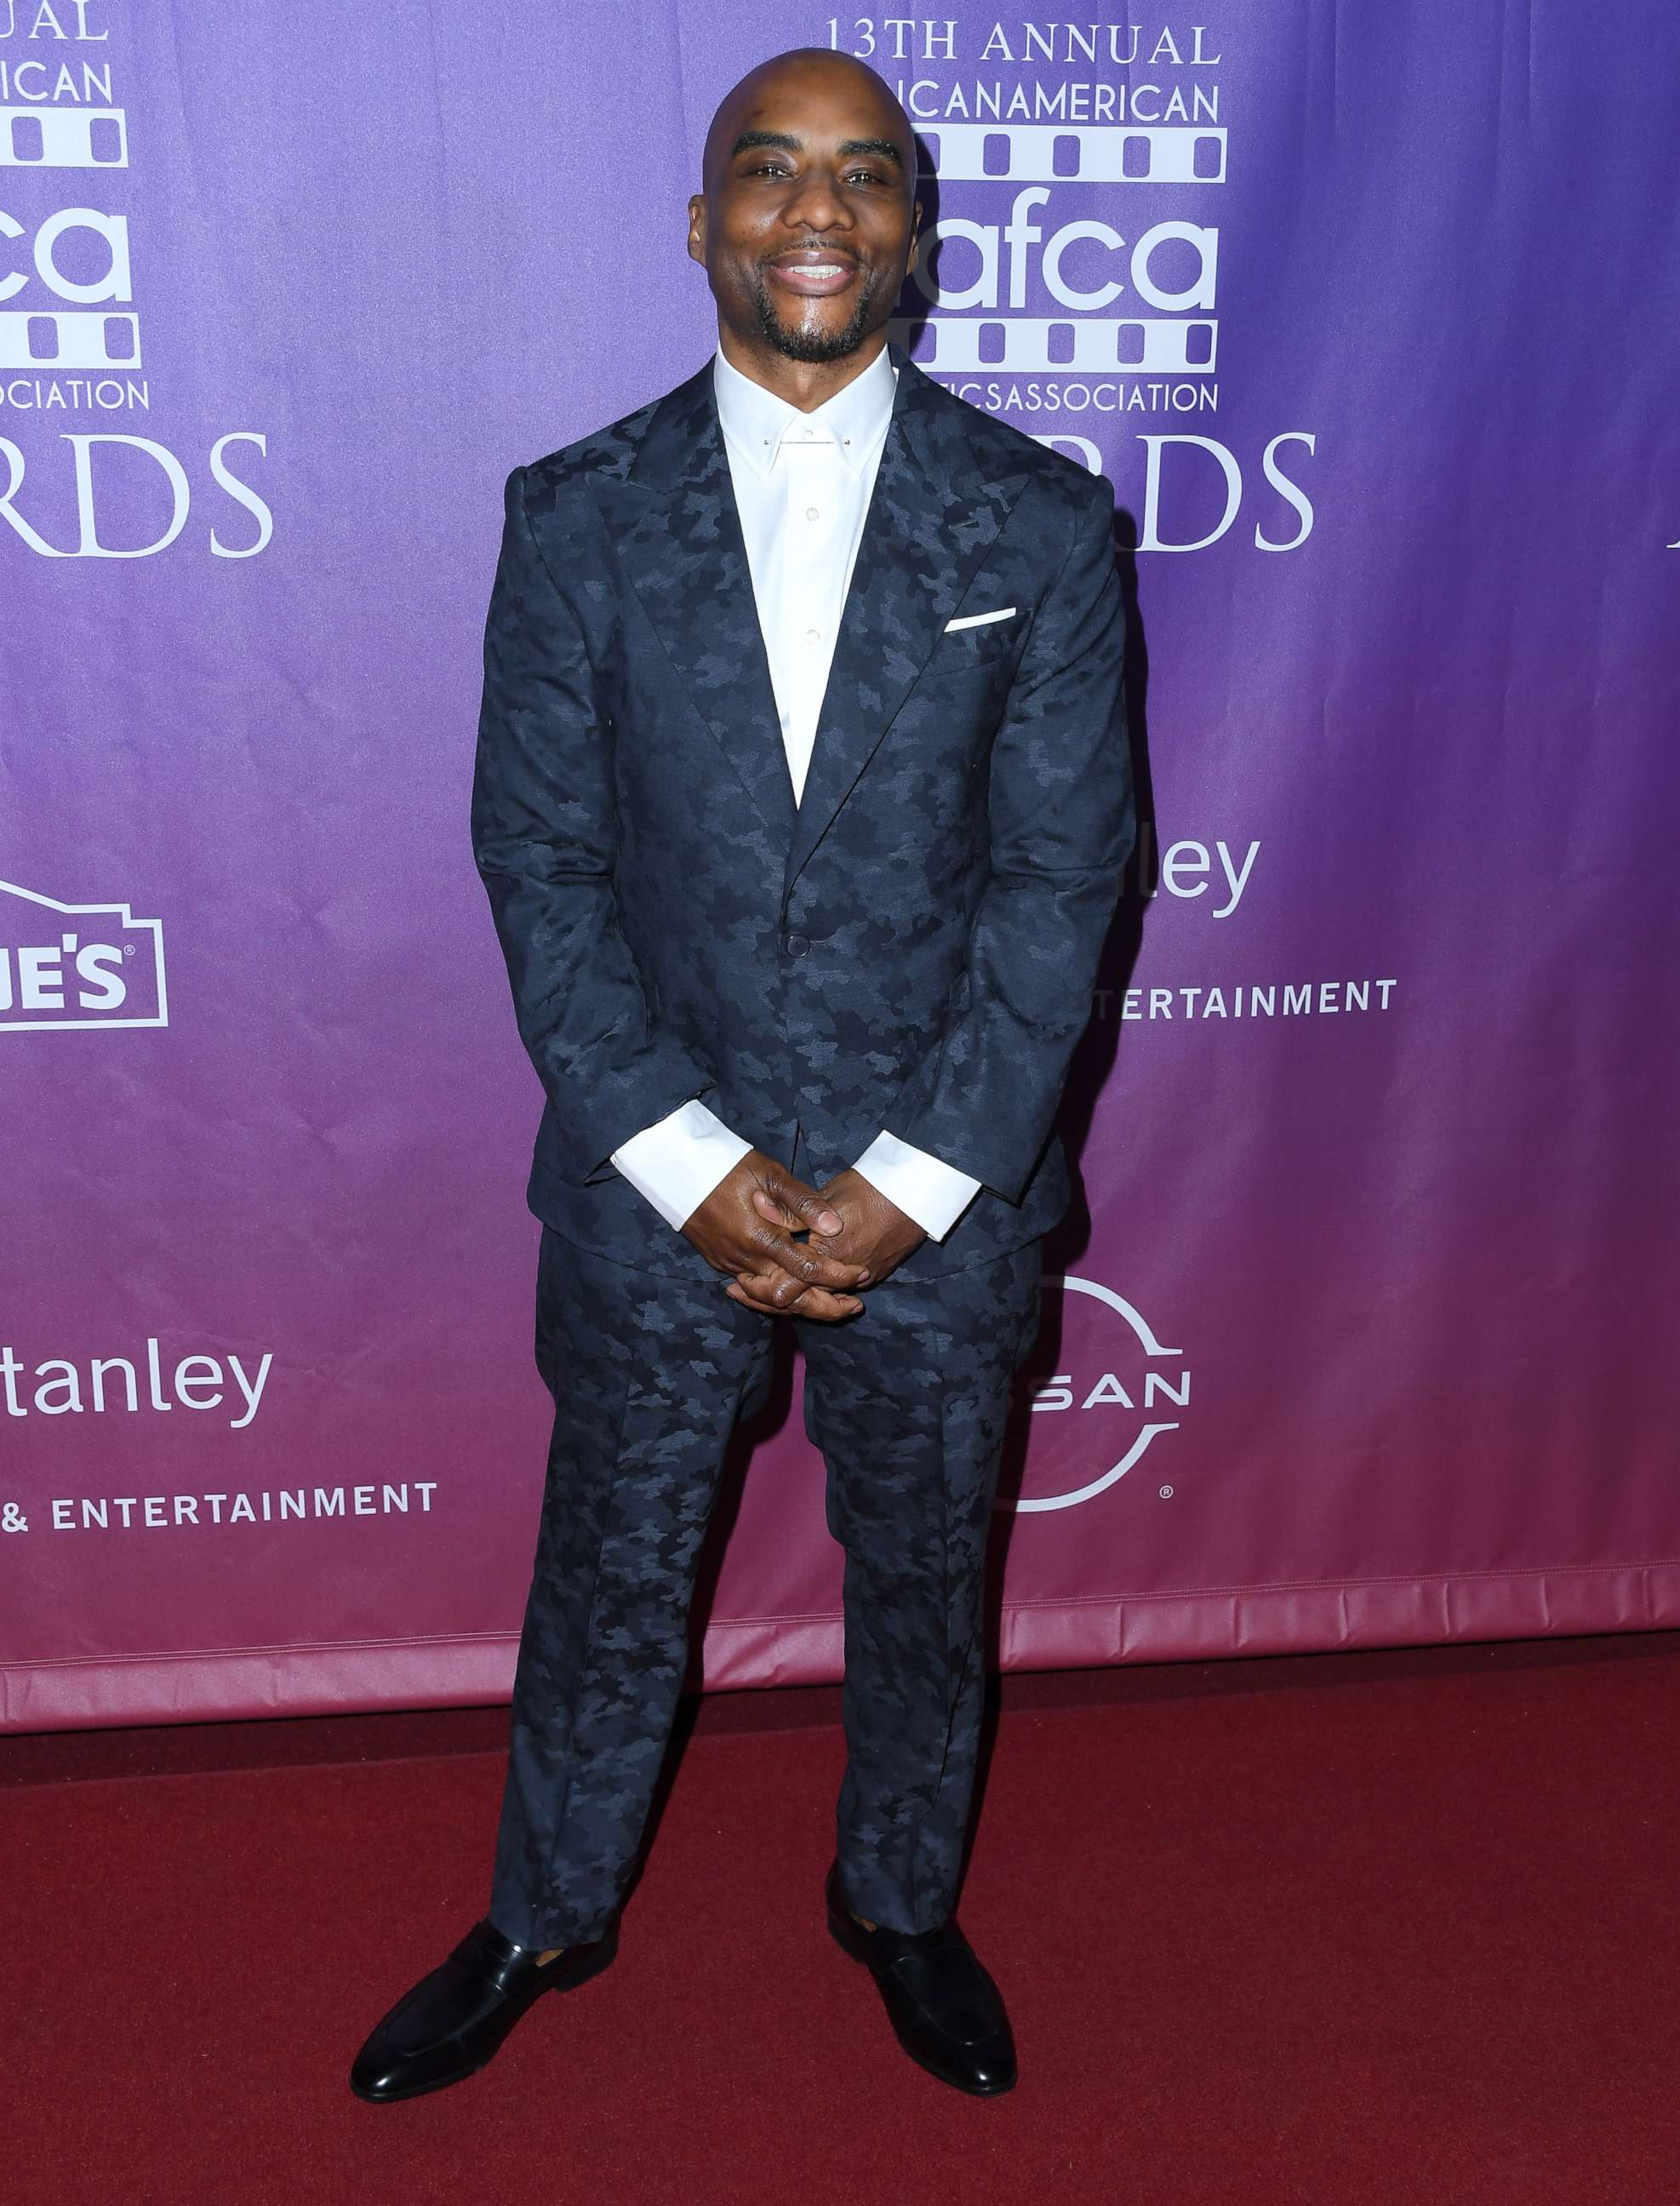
{"x": 809, "y": 215}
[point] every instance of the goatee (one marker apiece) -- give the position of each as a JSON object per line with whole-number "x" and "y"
{"x": 815, "y": 347}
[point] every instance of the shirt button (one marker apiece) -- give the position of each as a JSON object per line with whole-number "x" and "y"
{"x": 797, "y": 945}
{"x": 814, "y": 636}
{"x": 811, "y": 513}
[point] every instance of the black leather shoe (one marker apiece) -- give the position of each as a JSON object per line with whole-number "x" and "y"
{"x": 453, "y": 2021}
{"x": 945, "y": 2011}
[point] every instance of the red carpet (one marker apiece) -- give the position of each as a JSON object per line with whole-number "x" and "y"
{"x": 1345, "y": 1929}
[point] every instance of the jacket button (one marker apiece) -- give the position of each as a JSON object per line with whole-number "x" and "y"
{"x": 797, "y": 945}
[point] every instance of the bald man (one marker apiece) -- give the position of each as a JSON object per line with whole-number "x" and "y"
{"x": 801, "y": 799}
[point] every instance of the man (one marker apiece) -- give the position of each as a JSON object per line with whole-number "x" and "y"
{"x": 801, "y": 799}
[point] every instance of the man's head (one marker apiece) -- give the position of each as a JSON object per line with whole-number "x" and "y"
{"x": 807, "y": 217}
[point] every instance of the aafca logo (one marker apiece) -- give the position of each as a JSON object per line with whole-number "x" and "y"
{"x": 77, "y": 964}
{"x": 1116, "y": 1390}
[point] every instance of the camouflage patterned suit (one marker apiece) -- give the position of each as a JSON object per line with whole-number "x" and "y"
{"x": 912, "y": 946}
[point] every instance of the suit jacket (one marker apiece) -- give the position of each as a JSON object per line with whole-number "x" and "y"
{"x": 914, "y": 944}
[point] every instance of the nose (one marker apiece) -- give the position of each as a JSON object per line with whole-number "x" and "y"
{"x": 814, "y": 203}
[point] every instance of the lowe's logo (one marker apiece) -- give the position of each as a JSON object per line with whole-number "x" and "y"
{"x": 77, "y": 964}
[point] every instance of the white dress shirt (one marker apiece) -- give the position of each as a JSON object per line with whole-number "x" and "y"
{"x": 802, "y": 486}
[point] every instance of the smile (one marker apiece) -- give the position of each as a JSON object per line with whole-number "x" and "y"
{"x": 814, "y": 278}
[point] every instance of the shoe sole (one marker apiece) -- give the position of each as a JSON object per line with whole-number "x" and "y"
{"x": 586, "y": 1975}
{"x": 851, "y": 1944}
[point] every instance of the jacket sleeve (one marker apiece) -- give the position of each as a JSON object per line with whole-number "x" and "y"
{"x": 544, "y": 838}
{"x": 1063, "y": 822}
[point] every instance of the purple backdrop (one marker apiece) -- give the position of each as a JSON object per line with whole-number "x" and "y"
{"x": 1367, "y": 314}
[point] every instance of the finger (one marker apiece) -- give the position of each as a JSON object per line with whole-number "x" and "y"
{"x": 775, "y": 1284}
{"x": 812, "y": 1301}
{"x": 779, "y": 1295}
{"x": 827, "y": 1309}
{"x": 863, "y": 1279}
{"x": 803, "y": 1203}
{"x": 777, "y": 1213}
{"x": 802, "y": 1264}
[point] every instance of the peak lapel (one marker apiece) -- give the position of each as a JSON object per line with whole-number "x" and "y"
{"x": 675, "y": 528}
{"x": 933, "y": 516}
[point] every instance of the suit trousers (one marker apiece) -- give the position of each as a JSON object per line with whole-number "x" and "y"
{"x": 908, "y": 1403}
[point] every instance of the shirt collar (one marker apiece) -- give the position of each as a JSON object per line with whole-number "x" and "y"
{"x": 755, "y": 420}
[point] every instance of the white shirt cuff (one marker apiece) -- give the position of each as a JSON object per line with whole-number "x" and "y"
{"x": 933, "y": 1193}
{"x": 677, "y": 1163}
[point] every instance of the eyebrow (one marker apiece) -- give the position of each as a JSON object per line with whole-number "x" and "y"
{"x": 882, "y": 148}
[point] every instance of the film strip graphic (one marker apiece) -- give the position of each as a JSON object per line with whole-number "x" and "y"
{"x": 67, "y": 138}
{"x": 69, "y": 340}
{"x": 953, "y": 344}
{"x": 1084, "y": 344}
{"x": 63, "y": 138}
{"x": 1092, "y": 154}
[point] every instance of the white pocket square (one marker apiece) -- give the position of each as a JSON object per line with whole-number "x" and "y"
{"x": 980, "y": 620}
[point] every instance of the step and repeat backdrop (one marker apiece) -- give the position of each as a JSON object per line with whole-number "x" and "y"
{"x": 1362, "y": 1331}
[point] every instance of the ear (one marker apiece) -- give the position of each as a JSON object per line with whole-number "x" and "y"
{"x": 697, "y": 228}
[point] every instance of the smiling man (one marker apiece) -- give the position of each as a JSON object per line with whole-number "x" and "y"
{"x": 802, "y": 797}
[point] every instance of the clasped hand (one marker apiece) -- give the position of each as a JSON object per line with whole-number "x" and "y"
{"x": 746, "y": 1224}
